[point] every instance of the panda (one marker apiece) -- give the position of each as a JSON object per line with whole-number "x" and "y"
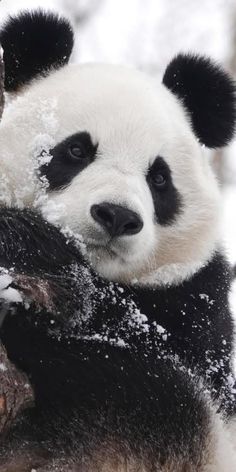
{"x": 110, "y": 394}
{"x": 128, "y": 337}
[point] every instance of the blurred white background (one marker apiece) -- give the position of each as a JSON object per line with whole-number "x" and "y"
{"x": 148, "y": 34}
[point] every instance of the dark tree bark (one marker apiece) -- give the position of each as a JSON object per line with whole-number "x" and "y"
{"x": 16, "y": 393}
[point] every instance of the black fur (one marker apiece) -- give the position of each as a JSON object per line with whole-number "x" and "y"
{"x": 33, "y": 44}
{"x": 166, "y": 198}
{"x": 19, "y": 230}
{"x": 93, "y": 390}
{"x": 234, "y": 270}
{"x": 208, "y": 94}
{"x": 89, "y": 393}
{"x": 197, "y": 317}
{"x": 64, "y": 166}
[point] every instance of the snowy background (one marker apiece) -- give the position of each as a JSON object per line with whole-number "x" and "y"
{"x": 148, "y": 34}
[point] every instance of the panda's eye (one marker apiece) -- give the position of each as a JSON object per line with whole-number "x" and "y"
{"x": 76, "y": 152}
{"x": 159, "y": 180}
{"x": 158, "y": 175}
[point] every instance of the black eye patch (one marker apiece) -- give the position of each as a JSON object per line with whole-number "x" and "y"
{"x": 166, "y": 198}
{"x": 69, "y": 158}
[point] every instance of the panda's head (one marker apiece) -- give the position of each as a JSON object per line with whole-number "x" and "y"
{"x": 118, "y": 155}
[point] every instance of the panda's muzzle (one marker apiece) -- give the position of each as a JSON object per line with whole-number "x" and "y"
{"x": 116, "y": 219}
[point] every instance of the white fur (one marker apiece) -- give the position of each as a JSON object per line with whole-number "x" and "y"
{"x": 133, "y": 119}
{"x": 220, "y": 453}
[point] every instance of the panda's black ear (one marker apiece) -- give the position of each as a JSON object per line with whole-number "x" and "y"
{"x": 208, "y": 95}
{"x": 33, "y": 43}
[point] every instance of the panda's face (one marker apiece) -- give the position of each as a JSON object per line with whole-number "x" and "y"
{"x": 122, "y": 166}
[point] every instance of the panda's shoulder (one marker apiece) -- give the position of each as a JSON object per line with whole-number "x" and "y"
{"x": 206, "y": 290}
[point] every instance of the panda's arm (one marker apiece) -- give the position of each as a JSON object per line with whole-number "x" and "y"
{"x": 29, "y": 243}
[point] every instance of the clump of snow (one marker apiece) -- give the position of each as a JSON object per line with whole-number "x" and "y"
{"x": 51, "y": 211}
{"x": 138, "y": 321}
{"x": 206, "y": 297}
{"x": 118, "y": 342}
{"x": 5, "y": 280}
{"x": 159, "y": 328}
{"x": 40, "y": 148}
{"x": 19, "y": 186}
{"x": 76, "y": 238}
{"x": 82, "y": 275}
{"x": 11, "y": 295}
{"x": 8, "y": 294}
{"x": 3, "y": 367}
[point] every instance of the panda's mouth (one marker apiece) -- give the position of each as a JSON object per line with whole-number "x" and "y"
{"x": 101, "y": 250}
{"x": 98, "y": 252}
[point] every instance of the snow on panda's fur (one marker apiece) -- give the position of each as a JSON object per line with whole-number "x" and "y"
{"x": 114, "y": 389}
{"x": 116, "y": 157}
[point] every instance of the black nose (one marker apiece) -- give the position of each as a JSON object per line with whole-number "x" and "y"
{"x": 117, "y": 220}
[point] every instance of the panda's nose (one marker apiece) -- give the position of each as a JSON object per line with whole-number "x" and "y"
{"x": 116, "y": 219}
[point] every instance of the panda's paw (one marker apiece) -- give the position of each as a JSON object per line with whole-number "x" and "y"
{"x": 37, "y": 290}
{"x": 8, "y": 294}
{"x": 18, "y": 288}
